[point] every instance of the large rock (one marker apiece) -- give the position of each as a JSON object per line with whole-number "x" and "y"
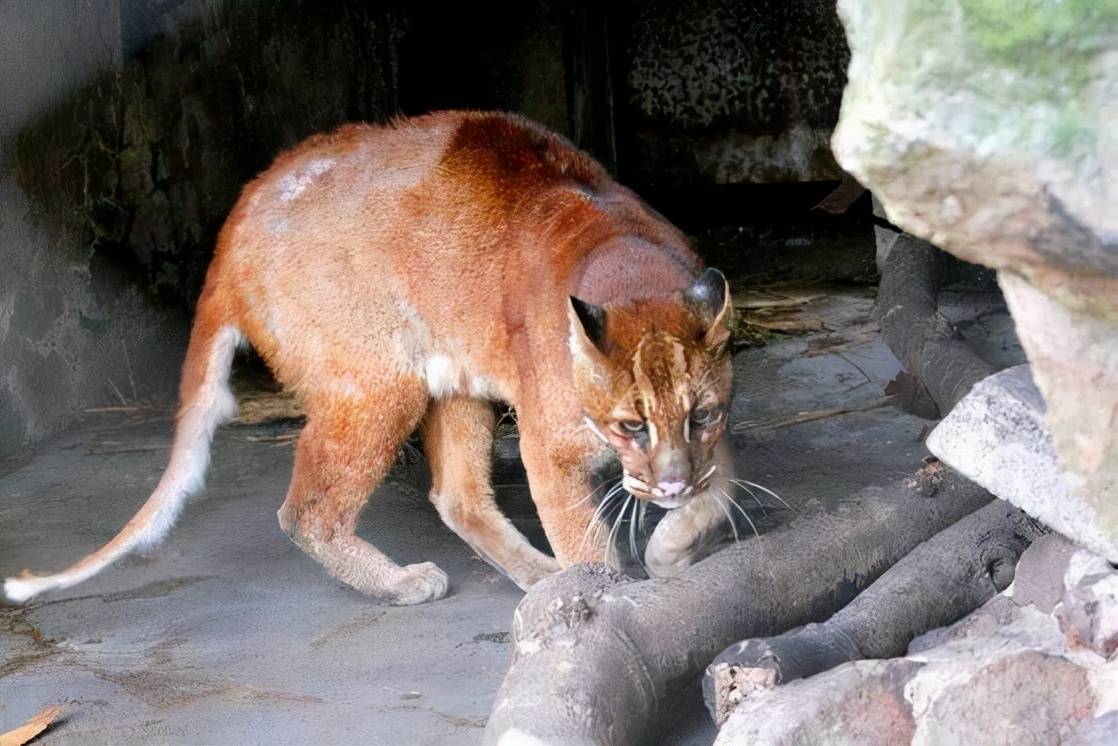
{"x": 1006, "y": 677}
{"x": 1009, "y": 673}
{"x": 996, "y": 436}
{"x": 987, "y": 127}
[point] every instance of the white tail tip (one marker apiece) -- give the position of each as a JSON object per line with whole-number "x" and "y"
{"x": 19, "y": 590}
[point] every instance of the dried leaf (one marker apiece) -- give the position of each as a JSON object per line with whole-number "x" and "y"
{"x": 840, "y": 200}
{"x": 31, "y": 728}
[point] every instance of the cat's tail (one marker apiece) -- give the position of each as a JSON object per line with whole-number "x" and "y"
{"x": 207, "y": 401}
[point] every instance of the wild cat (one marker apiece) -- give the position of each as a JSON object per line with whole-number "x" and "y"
{"x": 407, "y": 276}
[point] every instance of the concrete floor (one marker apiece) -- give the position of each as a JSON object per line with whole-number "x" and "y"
{"x": 227, "y": 633}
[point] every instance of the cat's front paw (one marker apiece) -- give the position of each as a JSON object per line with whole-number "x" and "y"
{"x": 419, "y": 583}
{"x": 528, "y": 576}
{"x": 665, "y": 560}
{"x": 684, "y": 536}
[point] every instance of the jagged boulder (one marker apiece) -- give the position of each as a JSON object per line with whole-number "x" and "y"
{"x": 1035, "y": 665}
{"x": 987, "y": 127}
{"x": 996, "y": 436}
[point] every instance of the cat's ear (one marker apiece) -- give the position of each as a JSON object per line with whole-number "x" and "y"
{"x": 588, "y": 322}
{"x": 587, "y": 334}
{"x": 709, "y": 299}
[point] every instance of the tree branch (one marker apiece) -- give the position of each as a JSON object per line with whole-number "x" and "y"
{"x": 940, "y": 581}
{"x": 597, "y": 656}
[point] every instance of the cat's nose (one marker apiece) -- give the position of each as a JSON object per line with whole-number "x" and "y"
{"x": 671, "y": 489}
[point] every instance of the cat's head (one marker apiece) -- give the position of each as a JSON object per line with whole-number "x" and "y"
{"x": 654, "y": 378}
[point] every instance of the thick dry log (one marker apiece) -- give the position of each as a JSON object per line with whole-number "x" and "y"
{"x": 947, "y": 577}
{"x": 926, "y": 343}
{"x": 597, "y": 656}
{"x": 942, "y": 580}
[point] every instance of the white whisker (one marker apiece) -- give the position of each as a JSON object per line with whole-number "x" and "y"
{"x": 612, "y": 536}
{"x": 752, "y": 494}
{"x": 733, "y": 524}
{"x": 744, "y": 515}
{"x": 589, "y": 495}
{"x": 592, "y": 525}
{"x": 767, "y": 491}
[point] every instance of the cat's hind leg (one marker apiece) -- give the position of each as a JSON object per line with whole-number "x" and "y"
{"x": 347, "y": 447}
{"x": 458, "y": 440}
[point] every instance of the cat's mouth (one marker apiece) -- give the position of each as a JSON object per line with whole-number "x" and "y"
{"x": 681, "y": 494}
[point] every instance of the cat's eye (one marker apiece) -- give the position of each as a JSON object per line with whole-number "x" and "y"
{"x": 634, "y": 427}
{"x": 702, "y": 416}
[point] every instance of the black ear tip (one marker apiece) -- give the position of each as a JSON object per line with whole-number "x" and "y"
{"x": 584, "y": 309}
{"x": 713, "y": 272}
{"x": 709, "y": 288}
{"x": 713, "y": 277}
{"x": 592, "y": 318}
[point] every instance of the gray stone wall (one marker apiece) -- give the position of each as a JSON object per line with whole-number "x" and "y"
{"x": 146, "y": 159}
{"x": 723, "y": 91}
{"x": 71, "y": 336}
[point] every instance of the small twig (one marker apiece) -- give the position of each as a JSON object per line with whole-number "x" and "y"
{"x": 812, "y": 416}
{"x": 97, "y": 450}
{"x": 128, "y": 364}
{"x": 856, "y": 338}
{"x": 857, "y": 367}
{"x": 116, "y": 391}
{"x": 31, "y": 728}
{"x": 281, "y": 439}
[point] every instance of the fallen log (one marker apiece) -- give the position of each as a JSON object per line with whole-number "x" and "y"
{"x": 927, "y": 344}
{"x": 943, "y": 580}
{"x": 964, "y": 565}
{"x": 598, "y": 656}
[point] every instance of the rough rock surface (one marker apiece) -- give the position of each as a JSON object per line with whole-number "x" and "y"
{"x": 1011, "y": 672}
{"x": 996, "y": 436}
{"x": 73, "y": 333}
{"x": 728, "y": 92}
{"x": 1088, "y": 607}
{"x": 986, "y": 127}
{"x": 1004, "y": 675}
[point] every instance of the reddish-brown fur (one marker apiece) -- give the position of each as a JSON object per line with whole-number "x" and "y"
{"x": 405, "y": 275}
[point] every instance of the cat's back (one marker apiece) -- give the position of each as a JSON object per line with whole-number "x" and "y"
{"x": 444, "y": 164}
{"x": 437, "y": 191}
{"x": 328, "y": 177}
{"x": 400, "y": 232}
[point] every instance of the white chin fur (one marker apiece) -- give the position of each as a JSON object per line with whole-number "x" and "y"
{"x": 631, "y": 483}
{"x": 670, "y": 504}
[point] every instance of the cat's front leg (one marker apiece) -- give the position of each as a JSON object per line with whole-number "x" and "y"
{"x": 688, "y": 533}
{"x": 559, "y": 460}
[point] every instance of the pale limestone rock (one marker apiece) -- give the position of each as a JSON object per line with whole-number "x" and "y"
{"x": 996, "y": 436}
{"x": 1007, "y": 673}
{"x": 988, "y": 127}
{"x": 1006, "y": 676}
{"x": 1088, "y": 610}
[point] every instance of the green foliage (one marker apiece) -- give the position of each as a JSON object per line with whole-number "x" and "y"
{"x": 1057, "y": 38}
{"x": 1011, "y": 28}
